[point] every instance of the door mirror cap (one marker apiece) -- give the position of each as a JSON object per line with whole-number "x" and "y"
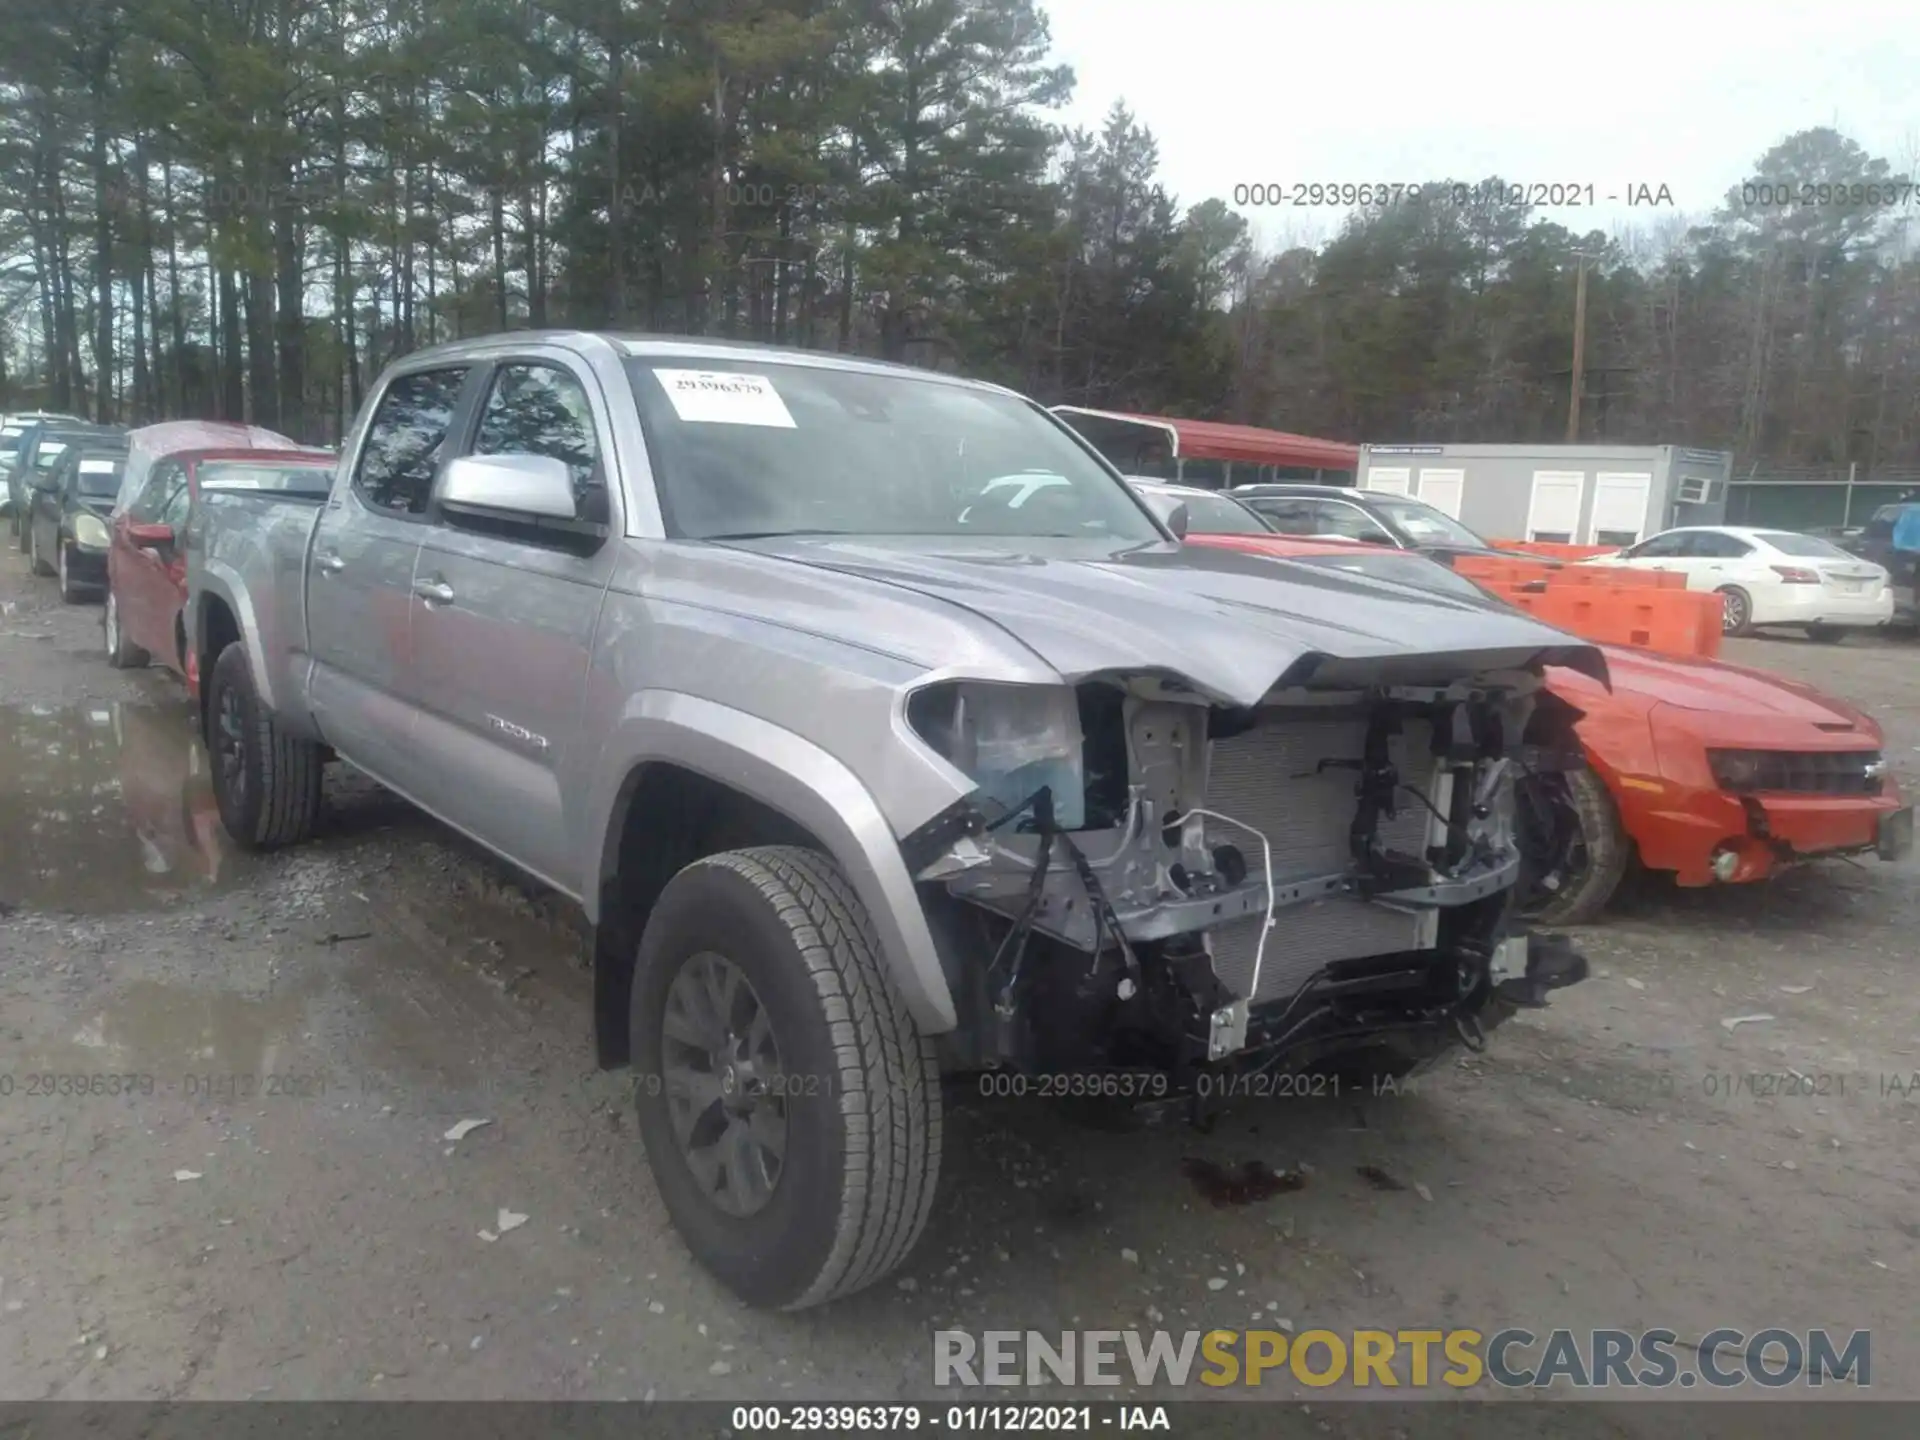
{"x": 1169, "y": 511}
{"x": 149, "y": 536}
{"x": 529, "y": 485}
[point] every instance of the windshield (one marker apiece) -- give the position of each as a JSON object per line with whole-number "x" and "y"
{"x": 98, "y": 477}
{"x": 1424, "y": 524}
{"x": 778, "y": 449}
{"x": 1210, "y": 514}
{"x": 1811, "y": 546}
{"x": 289, "y": 477}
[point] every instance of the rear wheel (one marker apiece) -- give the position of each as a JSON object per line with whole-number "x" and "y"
{"x": 122, "y": 653}
{"x": 1826, "y": 634}
{"x": 1579, "y": 853}
{"x": 266, "y": 782}
{"x": 790, "y": 1108}
{"x": 1736, "y": 611}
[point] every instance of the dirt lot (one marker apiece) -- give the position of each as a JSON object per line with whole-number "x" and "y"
{"x": 214, "y": 1240}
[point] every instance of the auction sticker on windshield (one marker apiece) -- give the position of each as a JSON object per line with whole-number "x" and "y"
{"x": 719, "y": 397}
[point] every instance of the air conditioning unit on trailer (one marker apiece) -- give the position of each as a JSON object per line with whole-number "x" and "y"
{"x": 1694, "y": 490}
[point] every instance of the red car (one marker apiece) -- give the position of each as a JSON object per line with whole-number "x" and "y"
{"x": 1705, "y": 770}
{"x": 146, "y": 565}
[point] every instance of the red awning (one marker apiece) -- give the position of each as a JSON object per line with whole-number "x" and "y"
{"x": 1244, "y": 444}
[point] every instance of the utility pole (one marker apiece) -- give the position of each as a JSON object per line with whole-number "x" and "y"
{"x": 1579, "y": 352}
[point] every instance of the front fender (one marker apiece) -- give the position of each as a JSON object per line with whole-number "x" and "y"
{"x": 217, "y": 580}
{"x": 812, "y": 788}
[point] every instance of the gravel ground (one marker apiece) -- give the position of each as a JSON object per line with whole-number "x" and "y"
{"x": 307, "y": 1231}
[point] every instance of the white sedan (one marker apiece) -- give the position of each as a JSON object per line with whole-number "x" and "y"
{"x": 1770, "y": 577}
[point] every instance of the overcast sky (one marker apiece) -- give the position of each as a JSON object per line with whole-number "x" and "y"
{"x": 1685, "y": 93}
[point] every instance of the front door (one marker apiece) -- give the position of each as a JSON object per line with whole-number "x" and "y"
{"x": 360, "y": 576}
{"x": 140, "y": 573}
{"x": 504, "y": 624}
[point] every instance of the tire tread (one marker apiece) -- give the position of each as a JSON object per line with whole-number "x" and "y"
{"x": 289, "y": 767}
{"x": 889, "y": 1076}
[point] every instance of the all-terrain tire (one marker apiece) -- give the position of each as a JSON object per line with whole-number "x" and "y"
{"x": 267, "y": 785}
{"x": 1609, "y": 852}
{"x": 863, "y": 1103}
{"x": 122, "y": 653}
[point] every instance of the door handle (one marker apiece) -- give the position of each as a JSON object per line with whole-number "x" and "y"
{"x": 434, "y": 592}
{"x": 329, "y": 562}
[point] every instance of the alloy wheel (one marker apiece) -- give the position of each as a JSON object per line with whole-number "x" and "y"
{"x": 1733, "y": 610}
{"x": 230, "y": 748}
{"x": 725, "y": 1088}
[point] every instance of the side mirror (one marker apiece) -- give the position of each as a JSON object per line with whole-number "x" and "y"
{"x": 1168, "y": 511}
{"x": 529, "y": 485}
{"x": 149, "y": 537}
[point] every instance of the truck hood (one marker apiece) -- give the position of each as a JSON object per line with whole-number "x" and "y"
{"x": 1230, "y": 624}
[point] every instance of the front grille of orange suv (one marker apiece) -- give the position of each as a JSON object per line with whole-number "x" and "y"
{"x": 1798, "y": 772}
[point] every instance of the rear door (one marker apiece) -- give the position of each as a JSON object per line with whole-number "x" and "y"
{"x": 360, "y": 574}
{"x": 504, "y": 621}
{"x": 1713, "y": 559}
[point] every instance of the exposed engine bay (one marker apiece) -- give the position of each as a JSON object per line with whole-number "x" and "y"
{"x": 1166, "y": 881}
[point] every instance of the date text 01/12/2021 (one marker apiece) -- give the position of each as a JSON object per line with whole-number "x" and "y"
{"x": 1458, "y": 194}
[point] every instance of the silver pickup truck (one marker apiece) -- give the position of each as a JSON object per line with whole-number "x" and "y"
{"x": 880, "y": 731}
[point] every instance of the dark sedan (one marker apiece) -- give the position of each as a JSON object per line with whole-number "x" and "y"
{"x": 68, "y": 508}
{"x": 1373, "y": 517}
{"x": 40, "y": 445}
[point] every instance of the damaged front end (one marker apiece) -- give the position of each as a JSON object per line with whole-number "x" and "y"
{"x": 1150, "y": 877}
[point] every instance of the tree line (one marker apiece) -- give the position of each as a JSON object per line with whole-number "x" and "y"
{"x": 244, "y": 208}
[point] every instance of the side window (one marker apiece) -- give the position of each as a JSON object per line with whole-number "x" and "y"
{"x": 1662, "y": 547}
{"x": 404, "y": 439}
{"x": 542, "y": 410}
{"x": 1349, "y": 521}
{"x": 1290, "y": 517}
{"x": 1720, "y": 547}
{"x": 173, "y": 509}
{"x": 152, "y": 499}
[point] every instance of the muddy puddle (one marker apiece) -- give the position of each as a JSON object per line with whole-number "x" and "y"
{"x": 105, "y": 808}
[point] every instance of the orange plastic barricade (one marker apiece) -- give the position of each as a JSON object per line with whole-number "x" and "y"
{"x": 1555, "y": 551}
{"x": 1624, "y": 576}
{"x": 1675, "y": 622}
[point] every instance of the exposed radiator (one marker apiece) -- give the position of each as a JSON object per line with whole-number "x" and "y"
{"x": 1265, "y": 778}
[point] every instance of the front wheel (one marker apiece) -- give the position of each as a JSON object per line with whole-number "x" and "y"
{"x": 70, "y": 592}
{"x": 1736, "y": 611}
{"x": 790, "y": 1109}
{"x": 1582, "y": 851}
{"x": 265, "y": 781}
{"x": 122, "y": 653}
